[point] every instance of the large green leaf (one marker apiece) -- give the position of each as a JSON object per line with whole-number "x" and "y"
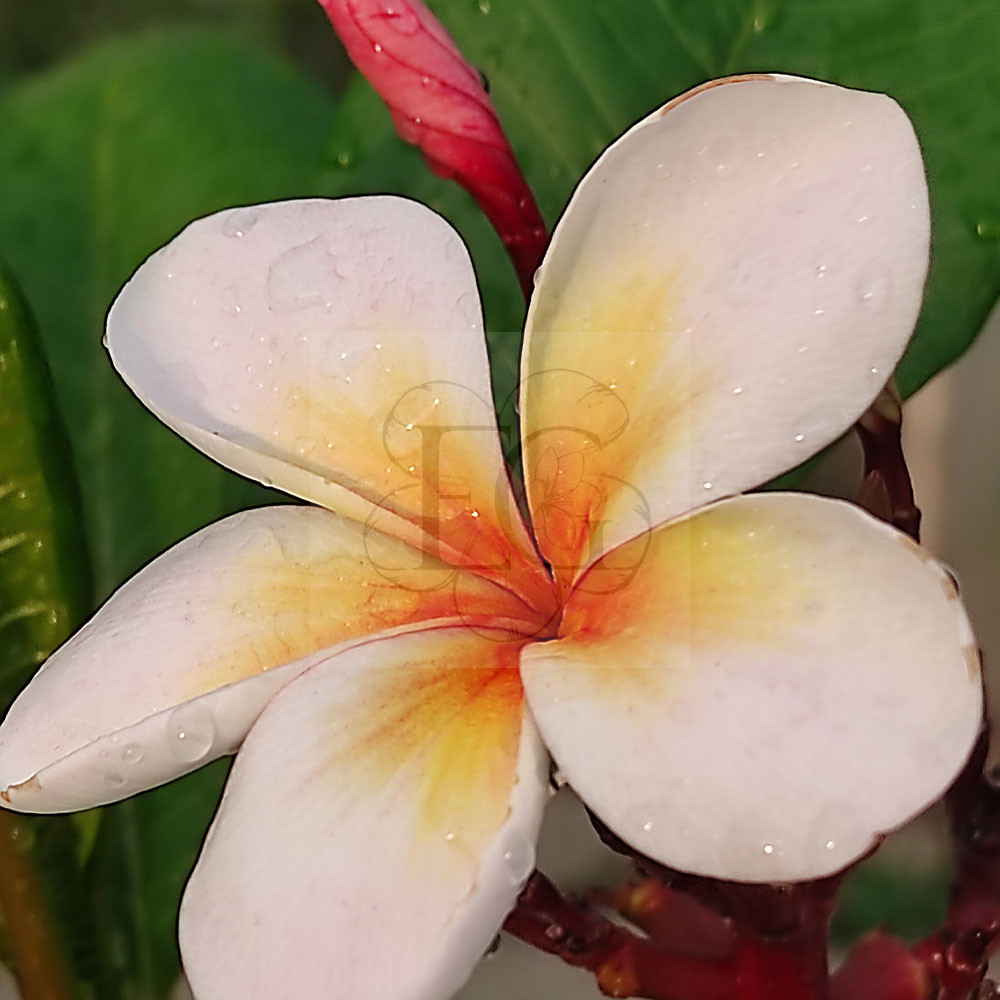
{"x": 101, "y": 162}
{"x": 44, "y": 594}
{"x": 568, "y": 81}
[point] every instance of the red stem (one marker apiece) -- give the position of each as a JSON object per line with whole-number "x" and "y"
{"x": 791, "y": 967}
{"x": 624, "y": 964}
{"x": 438, "y": 103}
{"x": 886, "y": 490}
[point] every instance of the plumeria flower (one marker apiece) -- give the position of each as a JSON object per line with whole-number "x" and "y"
{"x": 749, "y": 687}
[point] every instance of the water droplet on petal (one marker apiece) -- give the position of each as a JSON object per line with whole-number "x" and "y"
{"x": 873, "y": 291}
{"x": 132, "y": 754}
{"x": 240, "y": 221}
{"x": 229, "y": 299}
{"x": 191, "y": 731}
{"x": 304, "y": 276}
{"x": 519, "y": 860}
{"x": 468, "y": 307}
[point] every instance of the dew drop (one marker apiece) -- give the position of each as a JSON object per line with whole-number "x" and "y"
{"x": 485, "y": 6}
{"x": 401, "y": 19}
{"x": 229, "y": 299}
{"x": 799, "y": 438}
{"x": 519, "y": 860}
{"x": 304, "y": 276}
{"x": 831, "y": 845}
{"x": 873, "y": 291}
{"x": 22, "y": 836}
{"x": 468, "y": 306}
{"x": 768, "y": 849}
{"x": 648, "y": 826}
{"x": 720, "y": 156}
{"x": 191, "y": 732}
{"x": 240, "y": 221}
{"x": 988, "y": 230}
{"x": 738, "y": 390}
{"x": 132, "y": 754}
{"x": 377, "y": 48}
{"x": 706, "y": 485}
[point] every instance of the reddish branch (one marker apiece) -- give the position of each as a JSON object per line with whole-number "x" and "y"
{"x": 40, "y": 963}
{"x": 624, "y": 964}
{"x": 886, "y": 490}
{"x": 438, "y": 103}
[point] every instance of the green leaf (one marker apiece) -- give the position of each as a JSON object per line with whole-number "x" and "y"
{"x": 101, "y": 162}
{"x": 144, "y": 853}
{"x": 44, "y": 570}
{"x": 567, "y": 84}
{"x": 44, "y": 594}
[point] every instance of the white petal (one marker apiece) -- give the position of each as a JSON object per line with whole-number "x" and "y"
{"x": 759, "y": 692}
{"x": 378, "y": 824}
{"x": 333, "y": 349}
{"x": 173, "y": 670}
{"x": 730, "y": 286}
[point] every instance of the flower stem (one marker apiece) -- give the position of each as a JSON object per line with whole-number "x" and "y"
{"x": 40, "y": 963}
{"x": 790, "y": 967}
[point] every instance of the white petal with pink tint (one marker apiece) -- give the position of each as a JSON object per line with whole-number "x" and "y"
{"x": 377, "y": 826}
{"x": 761, "y": 691}
{"x": 730, "y": 286}
{"x": 173, "y": 670}
{"x": 334, "y": 349}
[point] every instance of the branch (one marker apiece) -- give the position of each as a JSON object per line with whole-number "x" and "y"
{"x": 886, "y": 490}
{"x": 438, "y": 103}
{"x": 624, "y": 964}
{"x": 40, "y": 963}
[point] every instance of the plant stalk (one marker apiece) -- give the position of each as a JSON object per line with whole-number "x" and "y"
{"x": 41, "y": 968}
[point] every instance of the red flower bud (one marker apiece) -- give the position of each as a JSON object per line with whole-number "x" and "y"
{"x": 438, "y": 103}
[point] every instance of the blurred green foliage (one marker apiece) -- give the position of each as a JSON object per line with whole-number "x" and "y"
{"x": 119, "y": 123}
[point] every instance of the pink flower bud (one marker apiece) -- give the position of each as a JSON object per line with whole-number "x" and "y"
{"x": 438, "y": 103}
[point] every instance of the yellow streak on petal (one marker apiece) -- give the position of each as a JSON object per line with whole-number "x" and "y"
{"x": 616, "y": 383}
{"x": 729, "y": 576}
{"x": 445, "y": 727}
{"x": 300, "y": 592}
{"x": 417, "y": 448}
